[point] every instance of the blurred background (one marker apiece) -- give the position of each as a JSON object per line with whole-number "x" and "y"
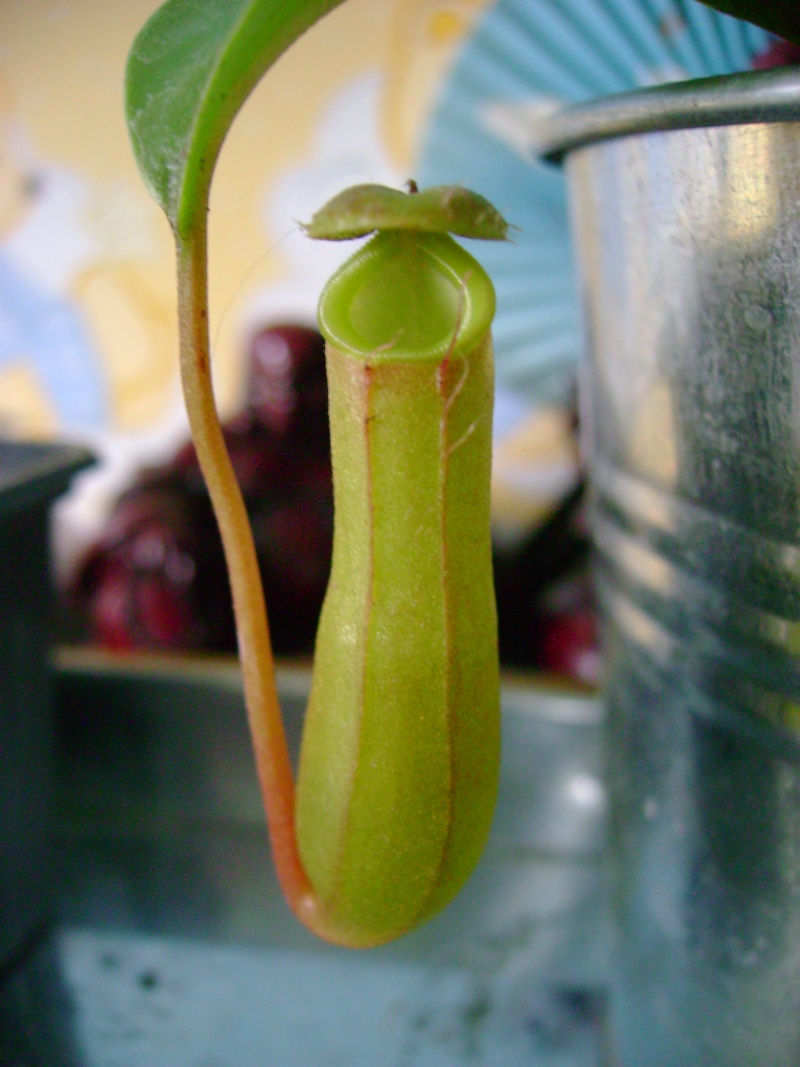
{"x": 381, "y": 90}
{"x": 87, "y": 313}
{"x": 157, "y": 824}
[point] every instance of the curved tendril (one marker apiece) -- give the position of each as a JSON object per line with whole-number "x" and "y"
{"x": 255, "y": 648}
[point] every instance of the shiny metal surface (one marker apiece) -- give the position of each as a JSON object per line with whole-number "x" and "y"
{"x": 725, "y": 100}
{"x": 689, "y": 252}
{"x": 177, "y": 949}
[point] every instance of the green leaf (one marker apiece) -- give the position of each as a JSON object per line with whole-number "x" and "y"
{"x": 782, "y": 19}
{"x": 364, "y": 209}
{"x": 189, "y": 71}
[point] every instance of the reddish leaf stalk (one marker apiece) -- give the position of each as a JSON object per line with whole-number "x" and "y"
{"x": 258, "y": 669}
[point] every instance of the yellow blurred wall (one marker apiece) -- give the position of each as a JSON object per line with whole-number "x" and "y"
{"x": 87, "y": 331}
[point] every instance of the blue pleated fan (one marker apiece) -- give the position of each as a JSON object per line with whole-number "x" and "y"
{"x": 524, "y": 54}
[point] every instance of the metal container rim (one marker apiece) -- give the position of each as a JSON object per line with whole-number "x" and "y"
{"x": 751, "y": 97}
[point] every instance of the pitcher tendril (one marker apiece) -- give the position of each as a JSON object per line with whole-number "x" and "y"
{"x": 399, "y": 763}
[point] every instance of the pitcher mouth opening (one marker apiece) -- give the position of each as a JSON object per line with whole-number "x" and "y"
{"x": 407, "y": 296}
{"x": 727, "y": 100}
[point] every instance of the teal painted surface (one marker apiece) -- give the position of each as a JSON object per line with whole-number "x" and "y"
{"x": 178, "y": 949}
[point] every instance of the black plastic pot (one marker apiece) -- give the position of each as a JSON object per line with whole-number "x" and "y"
{"x": 31, "y": 477}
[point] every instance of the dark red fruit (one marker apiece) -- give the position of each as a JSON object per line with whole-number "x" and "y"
{"x": 258, "y": 457}
{"x": 778, "y": 54}
{"x": 569, "y": 645}
{"x": 294, "y": 539}
{"x": 156, "y": 580}
{"x": 287, "y": 387}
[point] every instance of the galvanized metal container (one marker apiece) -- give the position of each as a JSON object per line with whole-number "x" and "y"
{"x": 686, "y": 209}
